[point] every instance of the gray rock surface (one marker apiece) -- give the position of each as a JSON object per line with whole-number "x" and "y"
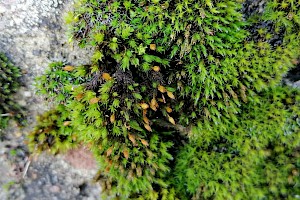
{"x": 32, "y": 35}
{"x": 47, "y": 177}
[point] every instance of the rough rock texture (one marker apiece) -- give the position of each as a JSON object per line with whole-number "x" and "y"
{"x": 32, "y": 35}
{"x": 47, "y": 178}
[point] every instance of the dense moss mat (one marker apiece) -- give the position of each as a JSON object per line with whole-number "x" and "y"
{"x": 256, "y": 157}
{"x": 182, "y": 99}
{"x": 9, "y": 84}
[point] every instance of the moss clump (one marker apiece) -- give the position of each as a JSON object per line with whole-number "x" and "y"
{"x": 9, "y": 84}
{"x": 171, "y": 77}
{"x": 53, "y": 132}
{"x": 257, "y": 156}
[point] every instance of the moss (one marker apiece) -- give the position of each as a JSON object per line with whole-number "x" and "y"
{"x": 9, "y": 84}
{"x": 53, "y": 132}
{"x": 171, "y": 77}
{"x": 257, "y": 157}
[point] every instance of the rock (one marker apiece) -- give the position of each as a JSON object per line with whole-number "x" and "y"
{"x": 34, "y": 176}
{"x": 22, "y": 102}
{"x": 33, "y": 35}
{"x": 36, "y": 52}
{"x": 54, "y": 189}
{"x": 297, "y": 84}
{"x": 27, "y": 94}
{"x": 81, "y": 158}
{"x": 2, "y": 9}
{"x": 54, "y": 179}
{"x": 58, "y": 180}
{"x": 18, "y": 134}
